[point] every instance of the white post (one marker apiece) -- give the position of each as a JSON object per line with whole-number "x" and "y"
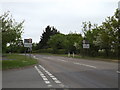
{"x": 68, "y": 54}
{"x": 73, "y": 54}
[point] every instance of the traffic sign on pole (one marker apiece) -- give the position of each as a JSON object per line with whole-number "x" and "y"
{"x": 28, "y": 43}
{"x": 86, "y": 44}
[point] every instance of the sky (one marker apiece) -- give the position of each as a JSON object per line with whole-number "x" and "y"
{"x": 65, "y": 15}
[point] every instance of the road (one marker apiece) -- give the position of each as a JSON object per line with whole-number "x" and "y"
{"x": 63, "y": 72}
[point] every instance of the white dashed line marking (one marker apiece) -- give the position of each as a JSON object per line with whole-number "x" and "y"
{"x": 43, "y": 76}
{"x": 77, "y": 63}
{"x": 54, "y": 78}
{"x": 85, "y": 65}
{"x": 35, "y": 57}
{"x": 49, "y": 85}
{"x": 50, "y": 75}
{"x": 61, "y": 85}
{"x": 57, "y": 81}
{"x": 89, "y": 66}
{"x": 45, "y": 79}
{"x": 118, "y": 71}
{"x": 62, "y": 60}
{"x": 47, "y": 82}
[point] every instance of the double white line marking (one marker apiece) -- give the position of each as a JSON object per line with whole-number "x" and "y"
{"x": 50, "y": 75}
{"x": 43, "y": 76}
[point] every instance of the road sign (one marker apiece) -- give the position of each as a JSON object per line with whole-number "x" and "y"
{"x": 86, "y": 45}
{"x": 85, "y": 42}
{"x": 28, "y": 40}
{"x": 28, "y": 43}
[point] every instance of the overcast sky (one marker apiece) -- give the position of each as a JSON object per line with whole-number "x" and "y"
{"x": 64, "y": 15}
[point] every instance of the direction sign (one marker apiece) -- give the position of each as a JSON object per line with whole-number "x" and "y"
{"x": 86, "y": 45}
{"x": 28, "y": 43}
{"x": 28, "y": 40}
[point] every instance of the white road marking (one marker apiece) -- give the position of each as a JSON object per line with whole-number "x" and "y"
{"x": 61, "y": 85}
{"x": 76, "y": 63}
{"x": 118, "y": 71}
{"x": 89, "y": 65}
{"x": 57, "y": 81}
{"x": 35, "y": 57}
{"x": 62, "y": 60}
{"x": 85, "y": 65}
{"x": 49, "y": 85}
{"x": 54, "y": 78}
{"x": 45, "y": 79}
{"x": 47, "y": 82}
{"x": 50, "y": 75}
{"x": 38, "y": 70}
{"x": 46, "y": 71}
{"x": 48, "y": 58}
{"x": 43, "y": 76}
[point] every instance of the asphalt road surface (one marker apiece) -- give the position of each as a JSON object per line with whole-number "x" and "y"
{"x": 63, "y": 72}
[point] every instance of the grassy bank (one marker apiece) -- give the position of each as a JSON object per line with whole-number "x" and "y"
{"x": 11, "y": 61}
{"x": 83, "y": 57}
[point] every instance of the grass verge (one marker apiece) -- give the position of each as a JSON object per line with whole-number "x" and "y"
{"x": 16, "y": 61}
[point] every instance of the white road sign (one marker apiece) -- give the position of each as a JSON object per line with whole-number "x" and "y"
{"x": 86, "y": 45}
{"x": 28, "y": 43}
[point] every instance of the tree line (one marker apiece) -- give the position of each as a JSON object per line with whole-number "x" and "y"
{"x": 104, "y": 40}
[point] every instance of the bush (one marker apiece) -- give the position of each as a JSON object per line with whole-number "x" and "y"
{"x": 61, "y": 51}
{"x": 49, "y": 50}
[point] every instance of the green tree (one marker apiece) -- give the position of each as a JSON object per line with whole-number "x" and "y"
{"x": 74, "y": 41}
{"x": 58, "y": 41}
{"x": 11, "y": 30}
{"x": 91, "y": 32}
{"x": 49, "y": 31}
{"x": 108, "y": 37}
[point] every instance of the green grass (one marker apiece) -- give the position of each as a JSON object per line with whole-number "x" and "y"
{"x": 17, "y": 61}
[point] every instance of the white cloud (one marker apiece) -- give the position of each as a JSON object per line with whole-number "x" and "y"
{"x": 65, "y": 15}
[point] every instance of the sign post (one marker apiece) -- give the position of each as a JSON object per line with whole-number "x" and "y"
{"x": 86, "y": 45}
{"x": 28, "y": 44}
